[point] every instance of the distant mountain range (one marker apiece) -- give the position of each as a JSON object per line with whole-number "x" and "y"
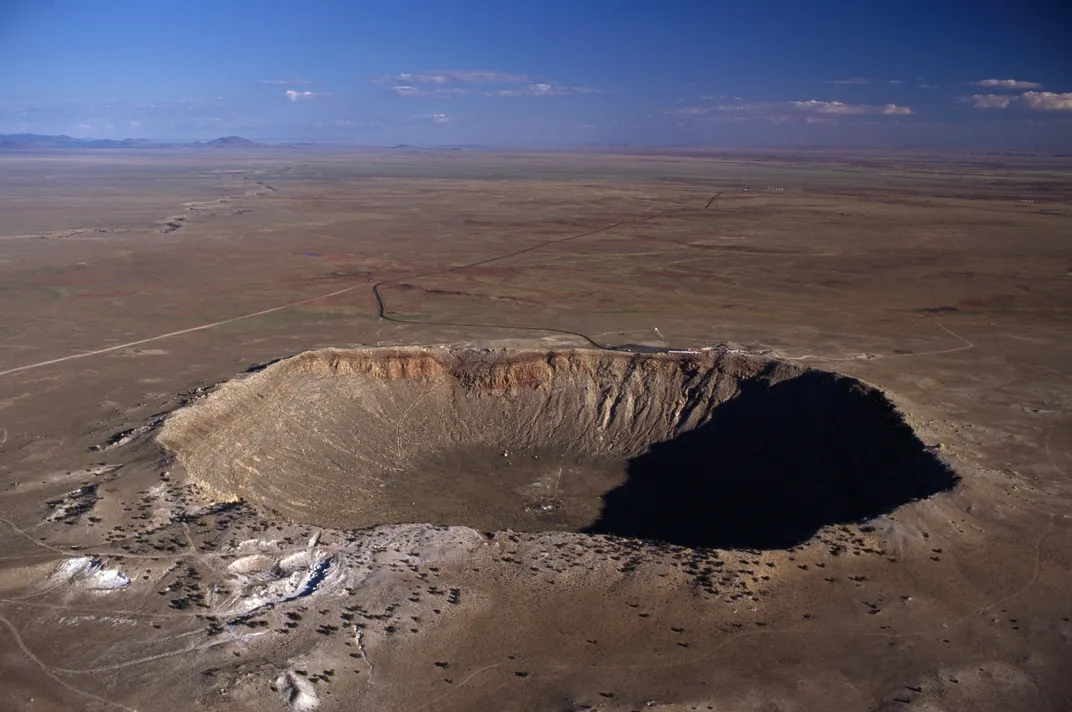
{"x": 27, "y": 141}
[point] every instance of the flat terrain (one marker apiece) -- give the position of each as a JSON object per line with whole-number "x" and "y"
{"x": 132, "y": 283}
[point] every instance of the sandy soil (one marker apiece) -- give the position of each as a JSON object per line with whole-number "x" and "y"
{"x": 132, "y": 284}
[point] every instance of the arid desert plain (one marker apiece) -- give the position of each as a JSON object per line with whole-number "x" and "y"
{"x": 303, "y": 428}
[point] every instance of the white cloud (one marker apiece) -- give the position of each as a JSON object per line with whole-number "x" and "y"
{"x": 895, "y": 81}
{"x": 463, "y": 76}
{"x": 895, "y": 110}
{"x": 1047, "y": 100}
{"x": 446, "y": 84}
{"x": 543, "y": 89}
{"x": 990, "y": 101}
{"x": 828, "y": 107}
{"x": 293, "y": 95}
{"x": 1006, "y": 84}
{"x": 695, "y": 111}
{"x": 1034, "y": 100}
{"x": 530, "y": 90}
{"x": 434, "y": 118}
{"x": 785, "y": 111}
{"x": 838, "y": 108}
{"x": 853, "y": 80}
{"x": 436, "y": 93}
{"x": 284, "y": 83}
{"x": 134, "y": 124}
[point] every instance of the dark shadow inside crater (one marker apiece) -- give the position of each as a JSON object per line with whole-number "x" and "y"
{"x": 774, "y": 465}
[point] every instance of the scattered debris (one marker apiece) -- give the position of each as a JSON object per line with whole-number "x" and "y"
{"x": 89, "y": 573}
{"x": 72, "y": 505}
{"x": 128, "y": 436}
{"x": 298, "y": 692}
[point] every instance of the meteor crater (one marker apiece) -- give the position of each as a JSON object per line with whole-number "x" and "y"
{"x": 702, "y": 450}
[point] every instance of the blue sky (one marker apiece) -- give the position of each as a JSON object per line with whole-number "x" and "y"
{"x": 941, "y": 73}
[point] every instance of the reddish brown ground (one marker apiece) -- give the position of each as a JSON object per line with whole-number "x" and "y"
{"x": 946, "y": 280}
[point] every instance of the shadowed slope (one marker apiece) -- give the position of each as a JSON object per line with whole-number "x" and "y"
{"x": 773, "y": 465}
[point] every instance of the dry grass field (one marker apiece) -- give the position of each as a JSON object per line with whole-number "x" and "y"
{"x": 133, "y": 283}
